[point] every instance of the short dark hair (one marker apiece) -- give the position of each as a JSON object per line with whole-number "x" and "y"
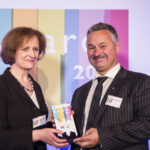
{"x": 103, "y": 26}
{"x": 15, "y": 37}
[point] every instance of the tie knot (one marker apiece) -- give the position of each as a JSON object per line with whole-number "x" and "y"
{"x": 101, "y": 79}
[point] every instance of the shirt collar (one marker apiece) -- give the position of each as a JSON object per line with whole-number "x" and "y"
{"x": 111, "y": 73}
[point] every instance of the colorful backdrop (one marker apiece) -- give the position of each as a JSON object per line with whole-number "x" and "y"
{"x": 65, "y": 65}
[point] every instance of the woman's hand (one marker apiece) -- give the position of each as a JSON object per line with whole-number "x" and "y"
{"x": 47, "y": 135}
{"x": 52, "y": 120}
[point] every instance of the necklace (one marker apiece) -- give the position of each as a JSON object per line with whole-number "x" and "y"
{"x": 27, "y": 89}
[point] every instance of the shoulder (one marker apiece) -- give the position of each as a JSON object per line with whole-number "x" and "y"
{"x": 82, "y": 90}
{"x": 137, "y": 76}
{"x": 3, "y": 86}
{"x": 2, "y": 80}
{"x": 84, "y": 86}
{"x": 132, "y": 75}
{"x": 136, "y": 80}
{"x": 5, "y": 77}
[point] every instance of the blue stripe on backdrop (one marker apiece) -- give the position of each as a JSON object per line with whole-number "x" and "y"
{"x": 71, "y": 55}
{"x": 5, "y": 26}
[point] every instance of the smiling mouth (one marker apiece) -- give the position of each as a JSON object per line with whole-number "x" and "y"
{"x": 99, "y": 59}
{"x": 30, "y": 60}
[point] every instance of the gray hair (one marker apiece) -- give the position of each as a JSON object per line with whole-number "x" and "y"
{"x": 104, "y": 26}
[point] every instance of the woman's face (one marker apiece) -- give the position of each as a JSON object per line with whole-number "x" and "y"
{"x": 27, "y": 54}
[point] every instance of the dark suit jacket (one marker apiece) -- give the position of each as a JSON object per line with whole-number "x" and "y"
{"x": 124, "y": 128}
{"x": 16, "y": 113}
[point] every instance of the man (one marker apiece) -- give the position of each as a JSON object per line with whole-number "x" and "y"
{"x": 122, "y": 120}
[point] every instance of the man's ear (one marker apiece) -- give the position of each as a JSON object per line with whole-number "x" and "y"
{"x": 117, "y": 47}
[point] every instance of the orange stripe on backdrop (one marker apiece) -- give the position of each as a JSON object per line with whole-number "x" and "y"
{"x": 51, "y": 23}
{"x": 27, "y": 18}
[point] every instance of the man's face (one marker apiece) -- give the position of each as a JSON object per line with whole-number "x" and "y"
{"x": 102, "y": 51}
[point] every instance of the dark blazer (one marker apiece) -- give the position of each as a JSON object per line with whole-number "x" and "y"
{"x": 16, "y": 113}
{"x": 124, "y": 128}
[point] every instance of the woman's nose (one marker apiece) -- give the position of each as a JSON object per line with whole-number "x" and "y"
{"x": 31, "y": 53}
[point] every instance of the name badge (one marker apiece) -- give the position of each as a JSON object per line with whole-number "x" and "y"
{"x": 39, "y": 121}
{"x": 114, "y": 101}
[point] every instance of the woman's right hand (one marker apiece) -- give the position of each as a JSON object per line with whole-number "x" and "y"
{"x": 47, "y": 135}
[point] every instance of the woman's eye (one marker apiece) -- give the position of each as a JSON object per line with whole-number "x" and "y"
{"x": 36, "y": 49}
{"x": 26, "y": 48}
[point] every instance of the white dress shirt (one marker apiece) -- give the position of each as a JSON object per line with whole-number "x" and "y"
{"x": 111, "y": 75}
{"x": 34, "y": 99}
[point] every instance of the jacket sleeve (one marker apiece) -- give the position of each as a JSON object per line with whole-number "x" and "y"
{"x": 19, "y": 138}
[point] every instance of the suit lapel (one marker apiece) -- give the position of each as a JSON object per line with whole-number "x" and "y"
{"x": 115, "y": 86}
{"x": 82, "y": 104}
{"x": 85, "y": 94}
{"x": 43, "y": 109}
{"x": 40, "y": 99}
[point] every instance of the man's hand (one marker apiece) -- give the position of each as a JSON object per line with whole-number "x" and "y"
{"x": 91, "y": 139}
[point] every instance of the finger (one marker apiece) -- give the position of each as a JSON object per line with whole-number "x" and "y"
{"x": 58, "y": 140}
{"x": 73, "y": 112}
{"x": 52, "y": 120}
{"x": 61, "y": 140}
{"x": 61, "y": 145}
{"x": 83, "y": 144}
{"x": 51, "y": 115}
{"x": 56, "y": 131}
{"x": 91, "y": 130}
{"x": 81, "y": 139}
{"x": 54, "y": 125}
{"x": 77, "y": 140}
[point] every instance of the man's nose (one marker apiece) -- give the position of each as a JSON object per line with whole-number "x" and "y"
{"x": 98, "y": 51}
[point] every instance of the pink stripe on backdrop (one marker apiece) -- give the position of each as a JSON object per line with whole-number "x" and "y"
{"x": 119, "y": 19}
{"x": 86, "y": 19}
{"x": 107, "y": 16}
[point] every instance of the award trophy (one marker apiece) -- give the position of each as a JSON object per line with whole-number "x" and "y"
{"x": 64, "y": 121}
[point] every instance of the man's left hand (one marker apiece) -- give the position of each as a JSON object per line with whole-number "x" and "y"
{"x": 91, "y": 139}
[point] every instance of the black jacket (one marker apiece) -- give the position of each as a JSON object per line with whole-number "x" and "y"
{"x": 124, "y": 128}
{"x": 16, "y": 113}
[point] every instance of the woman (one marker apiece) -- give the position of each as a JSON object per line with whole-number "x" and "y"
{"x": 23, "y": 111}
